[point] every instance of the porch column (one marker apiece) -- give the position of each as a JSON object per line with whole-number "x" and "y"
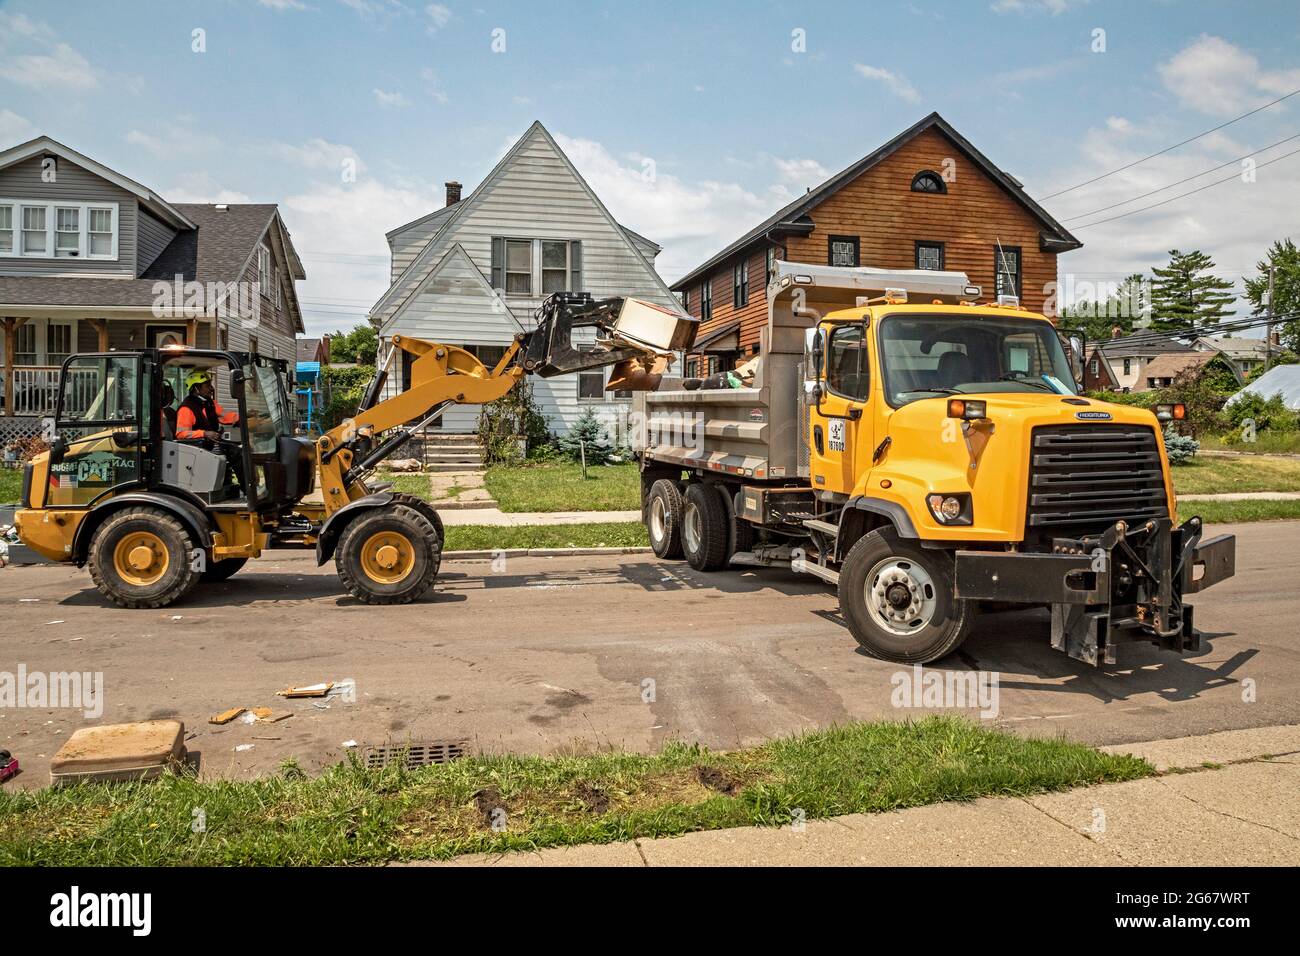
{"x": 101, "y": 327}
{"x": 11, "y": 326}
{"x": 192, "y": 332}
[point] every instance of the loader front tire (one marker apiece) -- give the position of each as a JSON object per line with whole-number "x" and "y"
{"x": 663, "y": 519}
{"x": 706, "y": 533}
{"x": 899, "y": 599}
{"x": 142, "y": 558}
{"x": 389, "y": 555}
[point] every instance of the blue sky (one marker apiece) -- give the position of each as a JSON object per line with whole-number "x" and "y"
{"x": 735, "y": 120}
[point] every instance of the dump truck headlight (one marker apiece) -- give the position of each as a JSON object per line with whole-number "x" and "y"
{"x": 1171, "y": 413}
{"x": 967, "y": 409}
{"x": 951, "y": 509}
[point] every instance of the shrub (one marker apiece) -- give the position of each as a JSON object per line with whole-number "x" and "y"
{"x": 342, "y": 390}
{"x": 587, "y": 440}
{"x": 514, "y": 416}
{"x": 1180, "y": 448}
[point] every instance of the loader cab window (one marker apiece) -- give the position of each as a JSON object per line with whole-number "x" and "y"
{"x": 266, "y": 408}
{"x": 846, "y": 362}
{"x": 927, "y": 356}
{"x": 100, "y": 423}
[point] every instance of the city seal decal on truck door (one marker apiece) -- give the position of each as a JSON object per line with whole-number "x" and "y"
{"x": 835, "y": 434}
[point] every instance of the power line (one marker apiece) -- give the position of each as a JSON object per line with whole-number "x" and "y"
{"x": 1190, "y": 192}
{"x": 1231, "y": 162}
{"x": 1167, "y": 149}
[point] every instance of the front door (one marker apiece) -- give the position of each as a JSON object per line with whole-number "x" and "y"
{"x": 840, "y": 429}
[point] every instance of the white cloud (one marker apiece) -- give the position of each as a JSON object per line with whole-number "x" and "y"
{"x": 18, "y": 24}
{"x": 371, "y": 9}
{"x": 432, "y": 85}
{"x": 801, "y": 172}
{"x": 201, "y": 187}
{"x": 1054, "y": 7}
{"x": 439, "y": 16}
{"x": 63, "y": 68}
{"x": 282, "y": 5}
{"x": 1216, "y": 77}
{"x": 14, "y": 129}
{"x": 173, "y": 140}
{"x": 390, "y": 100}
{"x": 896, "y": 83}
{"x": 319, "y": 155}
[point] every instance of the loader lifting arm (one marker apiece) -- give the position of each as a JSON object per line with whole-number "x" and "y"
{"x": 443, "y": 375}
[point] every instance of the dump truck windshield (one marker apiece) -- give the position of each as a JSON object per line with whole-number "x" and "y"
{"x": 927, "y": 355}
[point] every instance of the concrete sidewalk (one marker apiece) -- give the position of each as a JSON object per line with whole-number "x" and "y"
{"x": 1244, "y": 813}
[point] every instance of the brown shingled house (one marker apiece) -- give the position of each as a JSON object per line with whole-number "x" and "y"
{"x": 91, "y": 261}
{"x": 927, "y": 199}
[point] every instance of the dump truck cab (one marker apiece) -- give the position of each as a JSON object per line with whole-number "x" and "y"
{"x": 928, "y": 454}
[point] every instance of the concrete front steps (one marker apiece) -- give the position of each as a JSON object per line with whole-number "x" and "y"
{"x": 444, "y": 454}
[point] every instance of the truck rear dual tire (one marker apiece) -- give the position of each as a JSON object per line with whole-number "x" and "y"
{"x": 143, "y": 558}
{"x": 706, "y": 528}
{"x": 663, "y": 518}
{"x": 899, "y": 599}
{"x": 389, "y": 555}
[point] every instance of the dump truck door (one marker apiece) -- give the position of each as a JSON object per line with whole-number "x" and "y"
{"x": 839, "y": 430}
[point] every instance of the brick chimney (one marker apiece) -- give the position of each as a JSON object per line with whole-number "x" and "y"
{"x": 453, "y": 193}
{"x": 1116, "y": 332}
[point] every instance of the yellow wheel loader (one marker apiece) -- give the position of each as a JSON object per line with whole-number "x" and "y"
{"x": 155, "y": 506}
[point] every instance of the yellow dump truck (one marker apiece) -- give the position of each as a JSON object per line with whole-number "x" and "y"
{"x": 929, "y": 455}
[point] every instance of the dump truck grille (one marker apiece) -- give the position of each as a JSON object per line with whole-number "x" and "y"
{"x": 1084, "y": 478}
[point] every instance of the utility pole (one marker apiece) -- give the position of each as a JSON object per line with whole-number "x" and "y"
{"x": 1268, "y": 339}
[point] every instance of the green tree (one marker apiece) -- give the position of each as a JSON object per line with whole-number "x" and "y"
{"x": 587, "y": 438}
{"x": 358, "y": 347}
{"x": 514, "y": 416}
{"x": 1285, "y": 259}
{"x": 1124, "y": 308}
{"x": 1186, "y": 295}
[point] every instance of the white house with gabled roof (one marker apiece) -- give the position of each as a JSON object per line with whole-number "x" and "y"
{"x": 473, "y": 273}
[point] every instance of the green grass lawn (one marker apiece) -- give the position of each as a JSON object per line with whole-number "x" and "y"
{"x": 561, "y": 487}
{"x": 416, "y": 484}
{"x": 612, "y": 534}
{"x": 1284, "y": 443}
{"x": 1227, "y": 512}
{"x": 1211, "y": 475}
{"x": 350, "y": 814}
{"x": 11, "y": 485}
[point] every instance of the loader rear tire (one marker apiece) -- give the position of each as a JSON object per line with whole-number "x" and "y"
{"x": 218, "y": 571}
{"x": 663, "y": 519}
{"x": 900, "y": 600}
{"x": 389, "y": 555}
{"x": 142, "y": 558}
{"x": 706, "y": 533}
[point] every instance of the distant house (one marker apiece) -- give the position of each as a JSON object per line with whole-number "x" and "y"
{"x": 1129, "y": 356}
{"x": 314, "y": 350}
{"x": 1161, "y": 371}
{"x": 91, "y": 261}
{"x": 1246, "y": 354}
{"x": 1097, "y": 375}
{"x": 473, "y": 273}
{"x": 927, "y": 199}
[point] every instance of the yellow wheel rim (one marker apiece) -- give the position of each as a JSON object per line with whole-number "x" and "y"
{"x": 141, "y": 558}
{"x": 387, "y": 557}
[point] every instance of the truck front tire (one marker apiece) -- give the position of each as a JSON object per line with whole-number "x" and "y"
{"x": 899, "y": 599}
{"x": 663, "y": 519}
{"x": 706, "y": 532}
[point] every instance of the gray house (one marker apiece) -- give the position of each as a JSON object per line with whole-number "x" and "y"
{"x": 91, "y": 261}
{"x": 473, "y": 273}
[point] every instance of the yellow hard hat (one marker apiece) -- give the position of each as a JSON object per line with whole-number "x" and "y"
{"x": 197, "y": 377}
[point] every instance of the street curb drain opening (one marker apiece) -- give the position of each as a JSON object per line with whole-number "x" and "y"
{"x": 416, "y": 755}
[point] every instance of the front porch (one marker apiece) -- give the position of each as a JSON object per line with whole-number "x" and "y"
{"x": 34, "y": 348}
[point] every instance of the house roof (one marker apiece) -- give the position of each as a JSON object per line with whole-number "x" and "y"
{"x": 1237, "y": 348}
{"x": 423, "y": 262}
{"x": 1171, "y": 364}
{"x": 308, "y": 349}
{"x": 1054, "y": 236}
{"x": 1146, "y": 343}
{"x": 1103, "y": 366}
{"x": 43, "y": 145}
{"x": 217, "y": 248}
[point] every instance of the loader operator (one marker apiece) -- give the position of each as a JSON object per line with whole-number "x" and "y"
{"x": 200, "y": 417}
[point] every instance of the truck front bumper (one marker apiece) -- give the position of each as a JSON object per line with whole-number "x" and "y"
{"x": 1126, "y": 584}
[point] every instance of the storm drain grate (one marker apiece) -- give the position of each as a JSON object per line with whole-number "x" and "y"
{"x": 416, "y": 755}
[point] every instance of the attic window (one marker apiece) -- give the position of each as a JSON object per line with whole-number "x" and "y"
{"x": 927, "y": 181}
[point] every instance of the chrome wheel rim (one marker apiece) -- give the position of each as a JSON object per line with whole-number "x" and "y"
{"x": 901, "y": 596}
{"x": 691, "y": 528}
{"x": 658, "y": 519}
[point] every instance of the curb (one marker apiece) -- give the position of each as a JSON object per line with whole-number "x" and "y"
{"x": 537, "y": 553}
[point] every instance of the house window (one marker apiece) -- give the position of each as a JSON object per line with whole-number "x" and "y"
{"x": 686, "y": 299}
{"x": 519, "y": 267}
{"x": 771, "y": 263}
{"x": 252, "y": 344}
{"x": 555, "y": 267}
{"x": 6, "y": 230}
{"x": 25, "y": 344}
{"x": 927, "y": 181}
{"x": 102, "y": 233}
{"x": 67, "y": 231}
{"x": 842, "y": 251}
{"x": 1006, "y": 270}
{"x": 1096, "y": 368}
{"x": 929, "y": 255}
{"x": 1128, "y": 366}
{"x": 591, "y": 388}
{"x": 34, "y": 231}
{"x": 706, "y": 300}
{"x": 740, "y": 283}
{"x": 264, "y": 270}
{"x": 223, "y": 336}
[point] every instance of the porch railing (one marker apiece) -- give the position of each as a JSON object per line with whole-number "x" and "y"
{"x": 36, "y": 390}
